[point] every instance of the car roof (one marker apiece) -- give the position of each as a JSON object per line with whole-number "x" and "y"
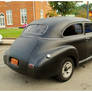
{"x": 56, "y": 25}
{"x": 60, "y": 19}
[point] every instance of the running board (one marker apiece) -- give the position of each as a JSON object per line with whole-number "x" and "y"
{"x": 85, "y": 59}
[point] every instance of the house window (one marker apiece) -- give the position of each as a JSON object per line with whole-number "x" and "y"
{"x": 2, "y": 22}
{"x": 9, "y": 17}
{"x": 41, "y": 13}
{"x": 23, "y": 14}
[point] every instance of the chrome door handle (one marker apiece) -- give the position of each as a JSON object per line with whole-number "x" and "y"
{"x": 88, "y": 38}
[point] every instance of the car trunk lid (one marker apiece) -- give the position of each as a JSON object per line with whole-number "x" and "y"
{"x": 22, "y": 48}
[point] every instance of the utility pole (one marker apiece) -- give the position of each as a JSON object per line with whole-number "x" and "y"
{"x": 87, "y": 9}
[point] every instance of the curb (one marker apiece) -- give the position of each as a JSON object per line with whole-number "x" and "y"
{"x": 7, "y": 42}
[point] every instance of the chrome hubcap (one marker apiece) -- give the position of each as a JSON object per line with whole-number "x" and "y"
{"x": 67, "y": 69}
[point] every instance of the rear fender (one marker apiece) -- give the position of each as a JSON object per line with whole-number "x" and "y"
{"x": 52, "y": 63}
{"x": 58, "y": 54}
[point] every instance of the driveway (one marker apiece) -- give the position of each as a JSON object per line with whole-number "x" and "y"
{"x": 10, "y": 80}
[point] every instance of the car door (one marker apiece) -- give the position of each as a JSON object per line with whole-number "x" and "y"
{"x": 74, "y": 35}
{"x": 88, "y": 33}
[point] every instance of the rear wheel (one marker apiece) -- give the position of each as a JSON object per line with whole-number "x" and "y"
{"x": 65, "y": 70}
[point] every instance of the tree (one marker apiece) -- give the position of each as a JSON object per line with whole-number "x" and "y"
{"x": 84, "y": 6}
{"x": 81, "y": 11}
{"x": 51, "y": 13}
{"x": 63, "y": 7}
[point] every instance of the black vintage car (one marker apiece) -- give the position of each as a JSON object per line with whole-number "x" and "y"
{"x": 51, "y": 47}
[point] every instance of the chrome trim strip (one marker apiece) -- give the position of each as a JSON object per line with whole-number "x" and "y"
{"x": 90, "y": 57}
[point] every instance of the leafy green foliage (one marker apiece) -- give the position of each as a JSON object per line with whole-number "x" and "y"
{"x": 51, "y": 13}
{"x": 63, "y": 7}
{"x": 84, "y": 6}
{"x": 81, "y": 11}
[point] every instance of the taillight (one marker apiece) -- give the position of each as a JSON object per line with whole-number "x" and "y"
{"x": 31, "y": 66}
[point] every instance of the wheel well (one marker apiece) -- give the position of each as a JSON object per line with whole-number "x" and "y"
{"x": 74, "y": 60}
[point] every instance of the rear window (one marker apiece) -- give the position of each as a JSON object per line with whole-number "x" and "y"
{"x": 37, "y": 29}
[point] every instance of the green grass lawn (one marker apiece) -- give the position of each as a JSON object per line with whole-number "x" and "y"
{"x": 11, "y": 33}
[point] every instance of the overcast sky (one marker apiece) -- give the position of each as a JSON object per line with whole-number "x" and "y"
{"x": 85, "y": 1}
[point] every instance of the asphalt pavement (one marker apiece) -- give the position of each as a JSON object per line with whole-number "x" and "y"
{"x": 11, "y": 80}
